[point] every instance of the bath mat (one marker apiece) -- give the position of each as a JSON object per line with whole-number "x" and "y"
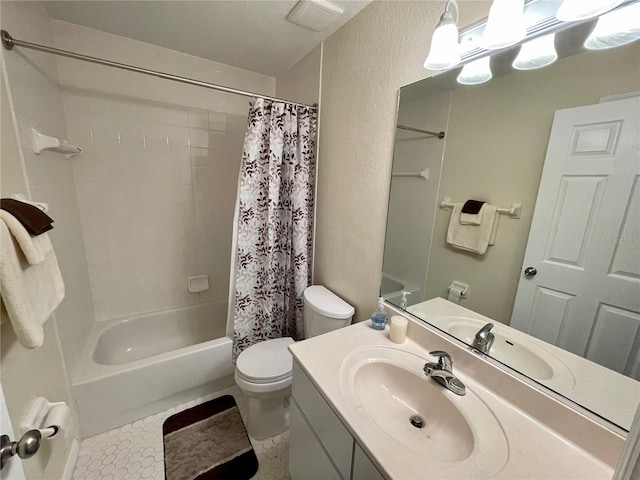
{"x": 208, "y": 442}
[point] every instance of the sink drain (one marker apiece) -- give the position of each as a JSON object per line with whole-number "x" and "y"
{"x": 416, "y": 421}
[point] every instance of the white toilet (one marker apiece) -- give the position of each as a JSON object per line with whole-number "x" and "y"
{"x": 263, "y": 371}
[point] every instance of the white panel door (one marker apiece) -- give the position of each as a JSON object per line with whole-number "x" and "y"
{"x": 581, "y": 289}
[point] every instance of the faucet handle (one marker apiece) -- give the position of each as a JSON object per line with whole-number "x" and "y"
{"x": 444, "y": 359}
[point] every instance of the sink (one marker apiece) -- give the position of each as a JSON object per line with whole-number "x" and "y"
{"x": 391, "y": 395}
{"x": 517, "y": 355}
{"x": 520, "y": 353}
{"x": 386, "y": 388}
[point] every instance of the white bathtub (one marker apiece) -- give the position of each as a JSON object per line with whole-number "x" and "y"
{"x": 136, "y": 366}
{"x": 392, "y": 289}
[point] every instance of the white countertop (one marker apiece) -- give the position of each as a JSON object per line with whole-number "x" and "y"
{"x": 535, "y": 449}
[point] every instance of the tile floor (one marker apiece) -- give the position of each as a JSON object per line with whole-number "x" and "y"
{"x": 134, "y": 451}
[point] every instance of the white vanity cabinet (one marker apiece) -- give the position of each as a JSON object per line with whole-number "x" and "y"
{"x": 320, "y": 447}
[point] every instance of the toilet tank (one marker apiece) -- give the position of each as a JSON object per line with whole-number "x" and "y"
{"x": 324, "y": 311}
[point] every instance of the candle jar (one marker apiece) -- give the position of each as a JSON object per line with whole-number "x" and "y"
{"x": 398, "y": 329}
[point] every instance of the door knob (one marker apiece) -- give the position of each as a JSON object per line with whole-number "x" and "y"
{"x": 26, "y": 447}
{"x": 530, "y": 272}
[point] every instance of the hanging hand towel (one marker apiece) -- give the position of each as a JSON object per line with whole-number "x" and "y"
{"x": 473, "y": 238}
{"x": 31, "y": 217}
{"x": 30, "y": 292}
{"x": 34, "y": 247}
{"x": 472, "y": 217}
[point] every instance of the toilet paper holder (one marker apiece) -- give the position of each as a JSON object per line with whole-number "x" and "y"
{"x": 463, "y": 287}
{"x": 47, "y": 417}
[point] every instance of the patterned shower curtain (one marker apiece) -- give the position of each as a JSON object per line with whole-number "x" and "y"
{"x": 275, "y": 222}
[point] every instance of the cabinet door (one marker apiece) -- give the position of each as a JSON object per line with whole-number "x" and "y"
{"x": 363, "y": 468}
{"x": 307, "y": 458}
{"x": 335, "y": 438}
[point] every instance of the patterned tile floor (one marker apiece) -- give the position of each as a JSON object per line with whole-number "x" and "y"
{"x": 134, "y": 451}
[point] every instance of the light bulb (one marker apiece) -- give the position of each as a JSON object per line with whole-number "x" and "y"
{"x": 445, "y": 50}
{"x": 536, "y": 53}
{"x": 575, "y": 10}
{"x": 616, "y": 29}
{"x": 505, "y": 26}
{"x": 476, "y": 72}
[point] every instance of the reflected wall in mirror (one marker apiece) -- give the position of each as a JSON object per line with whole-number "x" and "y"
{"x": 579, "y": 226}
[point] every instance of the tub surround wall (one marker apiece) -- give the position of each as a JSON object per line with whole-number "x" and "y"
{"x": 364, "y": 64}
{"x": 30, "y": 96}
{"x": 158, "y": 176}
{"x": 37, "y": 102}
{"x": 412, "y": 201}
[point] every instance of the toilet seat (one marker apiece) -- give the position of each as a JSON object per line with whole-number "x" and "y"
{"x": 267, "y": 362}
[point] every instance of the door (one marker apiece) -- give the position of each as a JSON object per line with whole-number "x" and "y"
{"x": 580, "y": 283}
{"x": 13, "y": 469}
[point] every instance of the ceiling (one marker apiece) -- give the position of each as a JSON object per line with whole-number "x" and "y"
{"x": 253, "y": 35}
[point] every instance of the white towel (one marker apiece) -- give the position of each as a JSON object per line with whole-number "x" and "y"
{"x": 34, "y": 248}
{"x": 473, "y": 238}
{"x": 30, "y": 292}
{"x": 472, "y": 218}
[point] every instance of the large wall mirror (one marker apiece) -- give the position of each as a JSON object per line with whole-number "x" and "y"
{"x": 563, "y": 142}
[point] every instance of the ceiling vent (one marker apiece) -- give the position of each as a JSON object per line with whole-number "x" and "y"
{"x": 314, "y": 15}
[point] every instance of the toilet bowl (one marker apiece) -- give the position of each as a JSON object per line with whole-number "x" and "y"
{"x": 263, "y": 371}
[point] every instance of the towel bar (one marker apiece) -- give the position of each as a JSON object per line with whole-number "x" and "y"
{"x": 513, "y": 212}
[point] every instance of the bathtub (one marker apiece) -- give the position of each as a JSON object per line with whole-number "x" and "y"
{"x": 140, "y": 365}
{"x": 392, "y": 289}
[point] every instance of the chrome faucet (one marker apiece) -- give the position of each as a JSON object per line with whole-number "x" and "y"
{"x": 442, "y": 372}
{"x": 484, "y": 339}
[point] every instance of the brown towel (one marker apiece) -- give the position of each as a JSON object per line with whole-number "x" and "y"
{"x": 34, "y": 220}
{"x": 472, "y": 206}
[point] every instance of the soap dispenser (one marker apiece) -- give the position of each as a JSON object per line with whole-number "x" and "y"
{"x": 379, "y": 318}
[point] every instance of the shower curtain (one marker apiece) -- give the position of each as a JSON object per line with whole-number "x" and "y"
{"x": 274, "y": 223}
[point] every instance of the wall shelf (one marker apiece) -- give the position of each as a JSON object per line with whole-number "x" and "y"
{"x": 45, "y": 143}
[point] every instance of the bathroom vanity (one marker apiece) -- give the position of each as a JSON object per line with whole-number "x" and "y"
{"x": 362, "y": 408}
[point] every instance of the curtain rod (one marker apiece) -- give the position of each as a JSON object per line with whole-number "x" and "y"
{"x": 9, "y": 42}
{"x": 427, "y": 132}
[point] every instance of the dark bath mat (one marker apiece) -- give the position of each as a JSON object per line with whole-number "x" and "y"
{"x": 208, "y": 442}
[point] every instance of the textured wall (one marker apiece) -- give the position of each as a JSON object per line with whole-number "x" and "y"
{"x": 364, "y": 65}
{"x": 301, "y": 83}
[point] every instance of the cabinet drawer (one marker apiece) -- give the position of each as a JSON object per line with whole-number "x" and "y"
{"x": 330, "y": 431}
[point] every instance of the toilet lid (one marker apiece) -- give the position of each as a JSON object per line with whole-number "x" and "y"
{"x": 267, "y": 361}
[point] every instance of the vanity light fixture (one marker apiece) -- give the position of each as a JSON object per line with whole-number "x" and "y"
{"x": 536, "y": 53}
{"x": 576, "y": 10}
{"x": 476, "y": 72}
{"x": 615, "y": 29}
{"x": 445, "y": 50}
{"x": 505, "y": 26}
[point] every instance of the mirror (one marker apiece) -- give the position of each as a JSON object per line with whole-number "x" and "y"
{"x": 497, "y": 137}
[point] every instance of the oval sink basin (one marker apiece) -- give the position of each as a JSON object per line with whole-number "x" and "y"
{"x": 514, "y": 353}
{"x": 513, "y": 349}
{"x": 386, "y": 387}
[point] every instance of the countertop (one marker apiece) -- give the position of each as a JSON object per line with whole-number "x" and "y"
{"x": 578, "y": 449}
